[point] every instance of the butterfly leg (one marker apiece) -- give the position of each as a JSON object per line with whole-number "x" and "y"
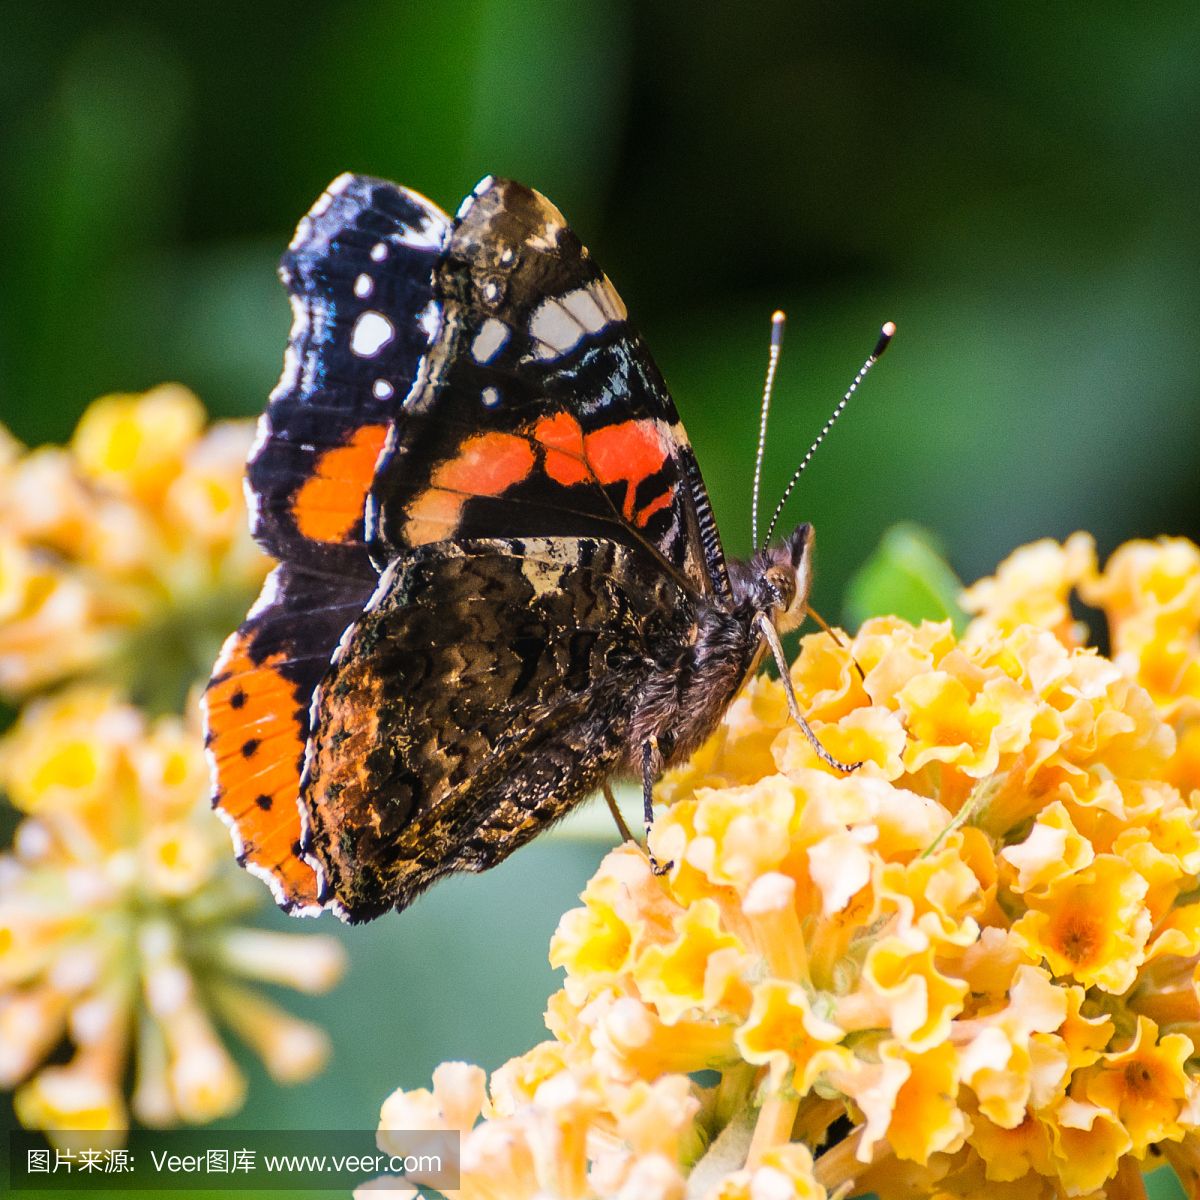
{"x": 611, "y": 801}
{"x": 649, "y": 762}
{"x": 772, "y": 636}
{"x": 833, "y": 633}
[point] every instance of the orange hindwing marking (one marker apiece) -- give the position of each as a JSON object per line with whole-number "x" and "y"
{"x": 257, "y": 748}
{"x": 329, "y": 507}
{"x": 485, "y": 465}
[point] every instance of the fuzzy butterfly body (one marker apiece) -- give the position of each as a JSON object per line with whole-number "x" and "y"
{"x": 500, "y": 582}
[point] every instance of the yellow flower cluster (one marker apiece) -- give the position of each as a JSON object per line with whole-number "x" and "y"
{"x": 970, "y": 969}
{"x": 120, "y": 910}
{"x": 138, "y": 520}
{"x": 124, "y": 558}
{"x": 1149, "y": 593}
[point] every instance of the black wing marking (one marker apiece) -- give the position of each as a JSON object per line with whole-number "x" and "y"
{"x": 359, "y": 273}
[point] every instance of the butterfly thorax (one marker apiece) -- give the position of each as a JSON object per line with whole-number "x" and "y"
{"x": 687, "y": 693}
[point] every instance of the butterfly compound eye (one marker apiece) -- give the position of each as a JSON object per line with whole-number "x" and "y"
{"x": 781, "y": 584}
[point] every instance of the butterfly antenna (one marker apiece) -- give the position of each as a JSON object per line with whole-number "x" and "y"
{"x": 885, "y": 336}
{"x": 778, "y": 320}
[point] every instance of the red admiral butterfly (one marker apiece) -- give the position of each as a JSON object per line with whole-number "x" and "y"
{"x": 500, "y": 582}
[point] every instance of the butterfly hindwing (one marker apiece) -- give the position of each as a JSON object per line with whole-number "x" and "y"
{"x": 481, "y": 694}
{"x": 538, "y": 409}
{"x": 257, "y": 717}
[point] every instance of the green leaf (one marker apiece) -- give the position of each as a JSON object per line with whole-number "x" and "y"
{"x": 905, "y": 577}
{"x": 1164, "y": 1184}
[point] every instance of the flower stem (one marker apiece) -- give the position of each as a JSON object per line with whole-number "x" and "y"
{"x": 980, "y": 795}
{"x": 732, "y": 1091}
{"x": 839, "y": 1165}
{"x": 774, "y": 1124}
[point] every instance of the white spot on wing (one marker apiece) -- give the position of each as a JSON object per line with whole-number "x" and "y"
{"x": 489, "y": 340}
{"x": 481, "y": 187}
{"x": 364, "y": 285}
{"x": 382, "y": 390}
{"x": 379, "y": 252}
{"x": 426, "y": 236}
{"x": 544, "y": 577}
{"x": 554, "y": 328}
{"x": 581, "y": 304}
{"x": 610, "y": 302}
{"x": 491, "y": 396}
{"x": 545, "y": 239}
{"x": 372, "y": 331}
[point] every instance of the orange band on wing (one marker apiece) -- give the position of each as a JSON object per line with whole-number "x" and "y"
{"x": 329, "y": 507}
{"x": 655, "y": 505}
{"x": 257, "y": 747}
{"x": 629, "y": 452}
{"x": 485, "y": 465}
{"x": 490, "y": 463}
{"x": 563, "y": 440}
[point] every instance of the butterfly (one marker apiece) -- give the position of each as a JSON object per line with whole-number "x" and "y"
{"x": 499, "y": 583}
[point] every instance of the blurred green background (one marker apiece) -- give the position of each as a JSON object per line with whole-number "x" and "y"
{"x": 1015, "y": 186}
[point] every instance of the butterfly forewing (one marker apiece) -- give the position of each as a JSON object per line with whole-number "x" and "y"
{"x": 359, "y": 275}
{"x": 539, "y": 410}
